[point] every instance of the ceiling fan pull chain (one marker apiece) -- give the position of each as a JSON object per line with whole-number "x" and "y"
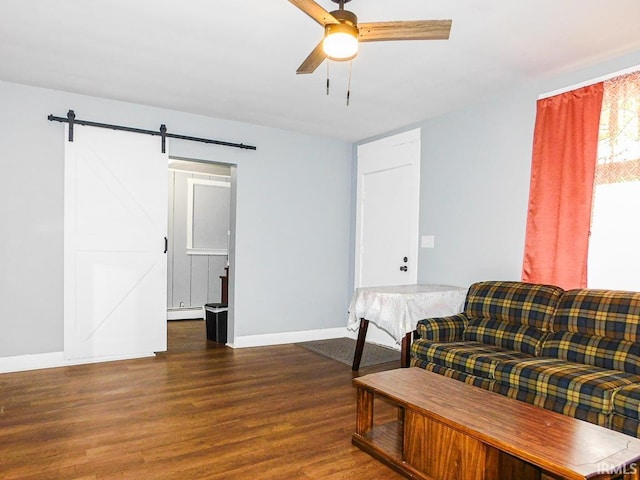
{"x": 349, "y": 84}
{"x": 328, "y": 62}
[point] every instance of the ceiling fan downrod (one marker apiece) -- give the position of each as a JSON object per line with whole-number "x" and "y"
{"x": 341, "y": 3}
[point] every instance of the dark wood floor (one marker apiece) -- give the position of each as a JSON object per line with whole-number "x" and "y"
{"x": 199, "y": 411}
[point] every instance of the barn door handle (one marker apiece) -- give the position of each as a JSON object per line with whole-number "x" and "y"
{"x": 166, "y": 244}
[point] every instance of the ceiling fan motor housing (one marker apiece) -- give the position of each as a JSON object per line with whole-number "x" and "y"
{"x": 345, "y": 16}
{"x": 346, "y": 29}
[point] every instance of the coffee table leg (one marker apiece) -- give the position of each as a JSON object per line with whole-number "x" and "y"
{"x": 635, "y": 475}
{"x": 364, "y": 412}
{"x": 362, "y": 333}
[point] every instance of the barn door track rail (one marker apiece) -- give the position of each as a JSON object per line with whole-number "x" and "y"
{"x": 71, "y": 120}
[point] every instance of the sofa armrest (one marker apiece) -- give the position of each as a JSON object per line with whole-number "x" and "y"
{"x": 443, "y": 329}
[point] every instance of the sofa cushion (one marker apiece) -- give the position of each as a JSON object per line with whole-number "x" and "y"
{"x": 626, "y": 401}
{"x": 609, "y": 353}
{"x": 474, "y": 380}
{"x": 560, "y": 381}
{"x": 600, "y": 313}
{"x": 607, "y": 328}
{"x": 555, "y": 404}
{"x": 509, "y": 336}
{"x": 513, "y": 302}
{"x": 469, "y": 357}
{"x": 629, "y": 426}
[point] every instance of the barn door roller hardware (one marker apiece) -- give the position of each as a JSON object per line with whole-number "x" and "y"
{"x": 162, "y": 132}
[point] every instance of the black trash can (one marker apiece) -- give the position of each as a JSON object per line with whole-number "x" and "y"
{"x": 216, "y": 318}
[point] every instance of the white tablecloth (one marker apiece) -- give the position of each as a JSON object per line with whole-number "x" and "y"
{"x": 398, "y": 309}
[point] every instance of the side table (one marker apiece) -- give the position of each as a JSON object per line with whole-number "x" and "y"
{"x": 397, "y": 310}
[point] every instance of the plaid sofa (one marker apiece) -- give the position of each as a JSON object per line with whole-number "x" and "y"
{"x": 576, "y": 352}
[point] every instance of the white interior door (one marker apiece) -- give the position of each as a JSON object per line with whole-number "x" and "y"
{"x": 388, "y": 189}
{"x": 115, "y": 269}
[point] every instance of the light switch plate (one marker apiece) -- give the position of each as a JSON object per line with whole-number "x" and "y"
{"x": 428, "y": 241}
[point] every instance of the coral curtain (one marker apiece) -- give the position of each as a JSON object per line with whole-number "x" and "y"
{"x": 560, "y": 198}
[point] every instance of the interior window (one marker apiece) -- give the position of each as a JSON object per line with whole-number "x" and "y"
{"x": 614, "y": 252}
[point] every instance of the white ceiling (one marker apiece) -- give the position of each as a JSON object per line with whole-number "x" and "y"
{"x": 236, "y": 59}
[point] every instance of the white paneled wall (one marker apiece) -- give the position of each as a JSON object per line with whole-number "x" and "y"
{"x": 193, "y": 280}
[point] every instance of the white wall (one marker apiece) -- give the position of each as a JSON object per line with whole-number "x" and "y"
{"x": 292, "y": 216}
{"x": 475, "y": 182}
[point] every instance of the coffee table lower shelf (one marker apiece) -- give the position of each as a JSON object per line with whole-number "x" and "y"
{"x": 384, "y": 443}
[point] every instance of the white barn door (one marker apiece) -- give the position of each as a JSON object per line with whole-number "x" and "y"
{"x": 115, "y": 222}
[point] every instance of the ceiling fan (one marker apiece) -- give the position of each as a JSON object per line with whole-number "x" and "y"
{"x": 342, "y": 33}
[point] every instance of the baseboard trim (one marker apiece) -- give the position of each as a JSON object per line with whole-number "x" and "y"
{"x": 185, "y": 314}
{"x": 287, "y": 337}
{"x": 21, "y": 363}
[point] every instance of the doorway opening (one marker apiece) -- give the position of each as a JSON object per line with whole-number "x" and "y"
{"x": 200, "y": 236}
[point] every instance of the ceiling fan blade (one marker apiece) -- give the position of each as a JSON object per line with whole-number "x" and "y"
{"x": 408, "y": 30}
{"x": 315, "y": 11}
{"x": 313, "y": 61}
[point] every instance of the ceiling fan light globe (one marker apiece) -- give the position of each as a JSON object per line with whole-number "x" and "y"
{"x": 340, "y": 42}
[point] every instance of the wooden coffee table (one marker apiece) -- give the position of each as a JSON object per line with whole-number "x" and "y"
{"x": 448, "y": 430}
